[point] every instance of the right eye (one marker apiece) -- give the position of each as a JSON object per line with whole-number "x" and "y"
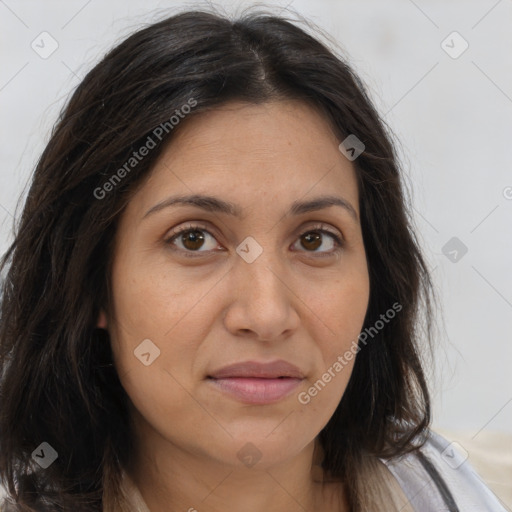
{"x": 192, "y": 238}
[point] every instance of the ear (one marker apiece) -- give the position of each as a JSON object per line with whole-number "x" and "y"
{"x": 102, "y": 320}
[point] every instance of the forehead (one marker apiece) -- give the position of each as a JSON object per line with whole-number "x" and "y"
{"x": 276, "y": 152}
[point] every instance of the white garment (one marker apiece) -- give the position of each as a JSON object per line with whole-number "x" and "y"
{"x": 460, "y": 490}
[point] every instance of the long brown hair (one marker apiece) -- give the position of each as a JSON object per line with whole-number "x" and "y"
{"x": 58, "y": 384}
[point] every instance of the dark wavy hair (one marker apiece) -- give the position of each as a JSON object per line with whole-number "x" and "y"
{"x": 57, "y": 381}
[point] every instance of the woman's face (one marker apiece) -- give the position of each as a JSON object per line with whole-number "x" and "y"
{"x": 257, "y": 276}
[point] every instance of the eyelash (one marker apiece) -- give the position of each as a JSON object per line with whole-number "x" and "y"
{"x": 196, "y": 227}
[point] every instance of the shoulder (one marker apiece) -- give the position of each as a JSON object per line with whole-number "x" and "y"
{"x": 439, "y": 476}
{"x": 490, "y": 454}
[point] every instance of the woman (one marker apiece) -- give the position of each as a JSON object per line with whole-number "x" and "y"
{"x": 213, "y": 298}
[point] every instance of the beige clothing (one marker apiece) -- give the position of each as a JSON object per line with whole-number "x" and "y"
{"x": 132, "y": 495}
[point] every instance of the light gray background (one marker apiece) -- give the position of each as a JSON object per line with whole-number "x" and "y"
{"x": 453, "y": 117}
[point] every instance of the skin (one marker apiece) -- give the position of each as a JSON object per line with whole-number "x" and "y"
{"x": 297, "y": 301}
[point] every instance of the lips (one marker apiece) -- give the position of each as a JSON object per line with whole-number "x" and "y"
{"x": 257, "y": 383}
{"x": 271, "y": 370}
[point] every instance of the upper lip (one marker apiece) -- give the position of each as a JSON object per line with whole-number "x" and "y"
{"x": 255, "y": 369}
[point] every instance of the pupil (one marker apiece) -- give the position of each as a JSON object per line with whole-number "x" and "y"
{"x": 193, "y": 240}
{"x": 314, "y": 239}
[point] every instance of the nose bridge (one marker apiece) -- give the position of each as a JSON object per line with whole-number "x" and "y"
{"x": 264, "y": 302}
{"x": 260, "y": 271}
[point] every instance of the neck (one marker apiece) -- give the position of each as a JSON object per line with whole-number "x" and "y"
{"x": 170, "y": 478}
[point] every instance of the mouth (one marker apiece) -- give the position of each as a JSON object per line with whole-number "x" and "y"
{"x": 257, "y": 383}
{"x": 256, "y": 391}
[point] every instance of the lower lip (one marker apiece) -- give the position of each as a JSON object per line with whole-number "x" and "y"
{"x": 256, "y": 390}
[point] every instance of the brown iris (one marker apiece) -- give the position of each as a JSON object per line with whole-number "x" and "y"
{"x": 312, "y": 239}
{"x": 193, "y": 239}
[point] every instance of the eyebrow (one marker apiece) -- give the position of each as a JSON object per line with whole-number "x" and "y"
{"x": 216, "y": 205}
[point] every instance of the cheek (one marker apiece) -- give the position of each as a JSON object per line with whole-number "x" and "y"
{"x": 154, "y": 341}
{"x": 342, "y": 307}
{"x": 160, "y": 321}
{"x": 144, "y": 295}
{"x": 154, "y": 347}
{"x": 342, "y": 310}
{"x": 153, "y": 303}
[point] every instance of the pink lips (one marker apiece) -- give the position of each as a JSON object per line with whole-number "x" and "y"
{"x": 257, "y": 383}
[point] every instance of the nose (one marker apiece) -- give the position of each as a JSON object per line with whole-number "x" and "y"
{"x": 264, "y": 304}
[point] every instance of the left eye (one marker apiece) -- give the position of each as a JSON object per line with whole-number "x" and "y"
{"x": 315, "y": 239}
{"x": 193, "y": 238}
